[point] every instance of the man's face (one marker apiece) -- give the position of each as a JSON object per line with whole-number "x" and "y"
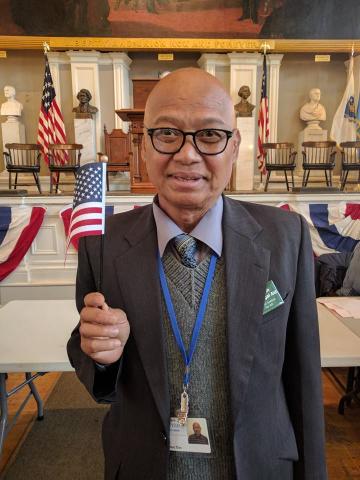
{"x": 244, "y": 92}
{"x": 189, "y": 101}
{"x": 9, "y": 92}
{"x": 315, "y": 94}
{"x": 196, "y": 428}
{"x": 83, "y": 97}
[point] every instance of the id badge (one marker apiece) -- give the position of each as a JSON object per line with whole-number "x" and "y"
{"x": 272, "y": 298}
{"x": 193, "y": 436}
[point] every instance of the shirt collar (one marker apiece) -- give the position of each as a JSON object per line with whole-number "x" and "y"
{"x": 208, "y": 230}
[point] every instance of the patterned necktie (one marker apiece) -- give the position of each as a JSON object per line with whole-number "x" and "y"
{"x": 186, "y": 246}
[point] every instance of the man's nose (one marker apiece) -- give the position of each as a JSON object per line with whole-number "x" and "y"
{"x": 188, "y": 152}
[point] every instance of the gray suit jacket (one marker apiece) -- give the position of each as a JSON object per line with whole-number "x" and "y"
{"x": 274, "y": 364}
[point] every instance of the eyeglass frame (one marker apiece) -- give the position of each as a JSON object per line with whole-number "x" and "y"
{"x": 229, "y": 134}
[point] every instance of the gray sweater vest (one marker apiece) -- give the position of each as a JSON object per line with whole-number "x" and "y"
{"x": 209, "y": 386}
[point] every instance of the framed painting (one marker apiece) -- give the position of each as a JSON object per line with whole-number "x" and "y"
{"x": 291, "y": 25}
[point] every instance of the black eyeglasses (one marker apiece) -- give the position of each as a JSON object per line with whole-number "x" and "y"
{"x": 209, "y": 141}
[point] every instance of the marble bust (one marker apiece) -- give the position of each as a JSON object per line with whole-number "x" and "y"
{"x": 312, "y": 112}
{"x": 11, "y": 107}
{"x": 84, "y": 109}
{"x": 244, "y": 108}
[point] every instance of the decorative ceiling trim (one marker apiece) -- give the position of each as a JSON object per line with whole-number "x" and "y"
{"x": 176, "y": 44}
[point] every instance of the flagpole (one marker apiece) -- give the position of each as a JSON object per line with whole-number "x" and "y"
{"x": 103, "y": 159}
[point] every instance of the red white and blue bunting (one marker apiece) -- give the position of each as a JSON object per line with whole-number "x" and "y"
{"x": 18, "y": 228}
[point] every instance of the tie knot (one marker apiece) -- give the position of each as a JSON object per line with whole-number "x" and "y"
{"x": 186, "y": 246}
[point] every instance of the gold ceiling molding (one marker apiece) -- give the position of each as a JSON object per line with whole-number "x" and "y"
{"x": 176, "y": 44}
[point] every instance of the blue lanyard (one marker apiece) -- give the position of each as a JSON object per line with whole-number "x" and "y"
{"x": 187, "y": 356}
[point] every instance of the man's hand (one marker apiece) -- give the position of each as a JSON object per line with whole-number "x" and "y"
{"x": 104, "y": 330}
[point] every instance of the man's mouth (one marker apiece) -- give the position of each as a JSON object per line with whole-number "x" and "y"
{"x": 187, "y": 178}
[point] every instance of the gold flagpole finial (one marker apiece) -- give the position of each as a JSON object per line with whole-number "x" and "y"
{"x": 265, "y": 47}
{"x": 46, "y": 48}
{"x": 352, "y": 49}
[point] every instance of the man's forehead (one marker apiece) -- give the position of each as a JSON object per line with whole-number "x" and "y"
{"x": 189, "y": 94}
{"x": 206, "y": 105}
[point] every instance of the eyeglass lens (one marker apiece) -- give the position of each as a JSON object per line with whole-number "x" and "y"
{"x": 208, "y": 141}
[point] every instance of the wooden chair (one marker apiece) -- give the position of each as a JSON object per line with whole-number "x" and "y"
{"x": 118, "y": 150}
{"x": 63, "y": 158}
{"x": 279, "y": 157}
{"x": 318, "y": 156}
{"x": 350, "y": 161}
{"x": 23, "y": 158}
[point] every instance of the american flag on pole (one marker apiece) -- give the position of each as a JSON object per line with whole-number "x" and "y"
{"x": 263, "y": 121}
{"x": 51, "y": 127}
{"x": 88, "y": 213}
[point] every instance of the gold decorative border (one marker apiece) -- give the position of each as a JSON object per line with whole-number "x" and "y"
{"x": 176, "y": 44}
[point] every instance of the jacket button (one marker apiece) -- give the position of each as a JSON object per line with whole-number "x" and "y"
{"x": 163, "y": 436}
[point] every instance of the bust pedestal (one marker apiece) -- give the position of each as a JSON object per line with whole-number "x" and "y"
{"x": 312, "y": 133}
{"x": 243, "y": 175}
{"x": 13, "y": 131}
{"x": 85, "y": 135}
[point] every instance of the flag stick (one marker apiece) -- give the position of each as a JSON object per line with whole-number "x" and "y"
{"x": 99, "y": 288}
{"x": 103, "y": 159}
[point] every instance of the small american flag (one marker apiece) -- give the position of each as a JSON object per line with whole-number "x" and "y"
{"x": 51, "y": 127}
{"x": 88, "y": 213}
{"x": 263, "y": 121}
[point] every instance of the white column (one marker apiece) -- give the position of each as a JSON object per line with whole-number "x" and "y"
{"x": 85, "y": 74}
{"x": 121, "y": 68}
{"x": 245, "y": 70}
{"x": 55, "y": 60}
{"x": 274, "y": 62}
{"x": 209, "y": 62}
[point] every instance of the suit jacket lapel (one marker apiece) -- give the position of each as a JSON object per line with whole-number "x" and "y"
{"x": 247, "y": 269}
{"x": 143, "y": 306}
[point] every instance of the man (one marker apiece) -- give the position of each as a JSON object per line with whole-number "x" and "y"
{"x": 312, "y": 111}
{"x": 250, "y": 10}
{"x": 197, "y": 436}
{"x": 84, "y": 107}
{"x": 244, "y": 108}
{"x": 11, "y": 106}
{"x": 253, "y": 377}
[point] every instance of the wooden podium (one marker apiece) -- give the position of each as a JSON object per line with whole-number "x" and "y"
{"x": 139, "y": 180}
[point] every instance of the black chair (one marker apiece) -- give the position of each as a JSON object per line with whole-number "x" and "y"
{"x": 279, "y": 157}
{"x": 63, "y": 158}
{"x": 23, "y": 158}
{"x": 318, "y": 156}
{"x": 350, "y": 161}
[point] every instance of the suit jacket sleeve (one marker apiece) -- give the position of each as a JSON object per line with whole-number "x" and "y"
{"x": 100, "y": 384}
{"x": 302, "y": 371}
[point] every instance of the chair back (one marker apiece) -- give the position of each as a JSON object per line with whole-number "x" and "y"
{"x": 118, "y": 150}
{"x": 65, "y": 155}
{"x": 22, "y": 155}
{"x": 319, "y": 153}
{"x": 279, "y": 154}
{"x": 350, "y": 154}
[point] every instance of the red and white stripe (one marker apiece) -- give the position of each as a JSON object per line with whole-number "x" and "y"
{"x": 51, "y": 130}
{"x": 263, "y": 122}
{"x": 86, "y": 219}
{"x": 263, "y": 137}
